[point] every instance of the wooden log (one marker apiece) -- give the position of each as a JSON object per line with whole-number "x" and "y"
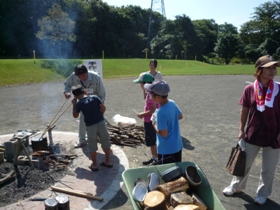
{"x": 186, "y": 207}
{"x": 128, "y": 144}
{"x": 130, "y": 141}
{"x": 114, "y": 129}
{"x": 168, "y": 207}
{"x": 180, "y": 198}
{"x": 116, "y": 141}
{"x": 199, "y": 202}
{"x": 71, "y": 155}
{"x": 177, "y": 185}
{"x": 124, "y": 136}
{"x": 154, "y": 200}
{"x": 64, "y": 161}
{"x": 77, "y": 193}
{"x": 8, "y": 177}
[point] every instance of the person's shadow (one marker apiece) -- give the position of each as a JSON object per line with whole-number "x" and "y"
{"x": 102, "y": 178}
{"x": 270, "y": 204}
{"x": 187, "y": 144}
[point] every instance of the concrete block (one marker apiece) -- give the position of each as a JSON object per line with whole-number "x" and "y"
{"x": 37, "y": 161}
{"x": 10, "y": 147}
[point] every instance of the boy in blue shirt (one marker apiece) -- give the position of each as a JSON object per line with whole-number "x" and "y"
{"x": 169, "y": 140}
{"x": 93, "y": 84}
{"x": 93, "y": 110}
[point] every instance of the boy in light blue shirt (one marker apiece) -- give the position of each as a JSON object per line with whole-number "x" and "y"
{"x": 169, "y": 140}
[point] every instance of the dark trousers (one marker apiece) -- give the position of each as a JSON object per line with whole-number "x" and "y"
{"x": 170, "y": 158}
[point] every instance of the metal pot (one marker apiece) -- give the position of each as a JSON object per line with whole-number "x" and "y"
{"x": 153, "y": 181}
{"x": 172, "y": 174}
{"x": 192, "y": 176}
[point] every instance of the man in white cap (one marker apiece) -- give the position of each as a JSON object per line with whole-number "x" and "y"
{"x": 93, "y": 84}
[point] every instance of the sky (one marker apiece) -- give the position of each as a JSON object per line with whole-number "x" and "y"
{"x": 236, "y": 12}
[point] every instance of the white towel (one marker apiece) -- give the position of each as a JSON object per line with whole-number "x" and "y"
{"x": 272, "y": 91}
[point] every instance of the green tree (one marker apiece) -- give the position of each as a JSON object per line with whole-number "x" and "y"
{"x": 186, "y": 37}
{"x": 17, "y": 26}
{"x": 134, "y": 30}
{"x": 56, "y": 27}
{"x": 206, "y": 31}
{"x": 176, "y": 39}
{"x": 80, "y": 11}
{"x": 269, "y": 46}
{"x": 163, "y": 45}
{"x": 263, "y": 31}
{"x": 267, "y": 16}
{"x": 227, "y": 42}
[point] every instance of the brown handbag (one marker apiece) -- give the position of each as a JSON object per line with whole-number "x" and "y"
{"x": 237, "y": 161}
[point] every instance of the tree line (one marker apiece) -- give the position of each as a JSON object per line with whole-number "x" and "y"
{"x": 86, "y": 28}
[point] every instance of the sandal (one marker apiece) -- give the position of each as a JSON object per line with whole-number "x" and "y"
{"x": 80, "y": 144}
{"x": 106, "y": 165}
{"x": 92, "y": 168}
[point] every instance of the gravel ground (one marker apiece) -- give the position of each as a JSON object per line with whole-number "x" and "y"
{"x": 209, "y": 128}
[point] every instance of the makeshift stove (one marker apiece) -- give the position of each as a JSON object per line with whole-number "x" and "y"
{"x": 28, "y": 147}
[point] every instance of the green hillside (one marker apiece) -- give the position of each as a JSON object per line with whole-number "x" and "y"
{"x": 24, "y": 71}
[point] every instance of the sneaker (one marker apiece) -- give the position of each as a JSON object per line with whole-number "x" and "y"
{"x": 80, "y": 144}
{"x": 229, "y": 191}
{"x": 260, "y": 200}
{"x": 148, "y": 161}
{"x": 154, "y": 163}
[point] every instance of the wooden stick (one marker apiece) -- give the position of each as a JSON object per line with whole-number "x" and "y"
{"x": 57, "y": 112}
{"x": 77, "y": 193}
{"x": 135, "y": 111}
{"x": 51, "y": 125}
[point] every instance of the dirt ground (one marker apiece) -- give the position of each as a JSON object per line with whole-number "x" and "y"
{"x": 209, "y": 128}
{"x": 32, "y": 182}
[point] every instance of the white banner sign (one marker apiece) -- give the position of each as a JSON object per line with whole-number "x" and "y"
{"x": 94, "y": 65}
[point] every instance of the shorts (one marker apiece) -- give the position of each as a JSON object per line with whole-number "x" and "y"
{"x": 150, "y": 134}
{"x": 98, "y": 130}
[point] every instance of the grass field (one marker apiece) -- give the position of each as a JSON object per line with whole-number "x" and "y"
{"x": 24, "y": 71}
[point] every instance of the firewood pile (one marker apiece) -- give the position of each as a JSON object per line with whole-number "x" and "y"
{"x": 173, "y": 195}
{"x": 178, "y": 192}
{"x": 126, "y": 134}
